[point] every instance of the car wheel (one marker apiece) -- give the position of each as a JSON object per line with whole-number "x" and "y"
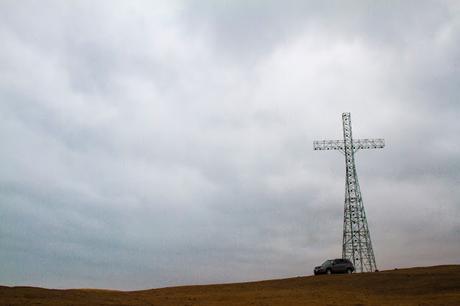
{"x": 328, "y": 271}
{"x": 349, "y": 271}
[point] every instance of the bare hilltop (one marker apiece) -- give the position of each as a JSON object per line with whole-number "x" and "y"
{"x": 438, "y": 285}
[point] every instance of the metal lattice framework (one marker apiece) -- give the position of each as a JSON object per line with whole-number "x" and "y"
{"x": 357, "y": 245}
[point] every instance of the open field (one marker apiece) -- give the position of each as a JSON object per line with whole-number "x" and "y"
{"x": 439, "y": 285}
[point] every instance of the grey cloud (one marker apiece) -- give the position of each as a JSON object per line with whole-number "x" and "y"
{"x": 153, "y": 144}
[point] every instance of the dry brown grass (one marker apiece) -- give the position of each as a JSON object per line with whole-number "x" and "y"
{"x": 438, "y": 285}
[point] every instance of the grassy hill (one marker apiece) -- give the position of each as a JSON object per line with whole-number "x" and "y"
{"x": 439, "y": 285}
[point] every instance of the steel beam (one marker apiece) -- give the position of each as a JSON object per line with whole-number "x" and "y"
{"x": 356, "y": 241}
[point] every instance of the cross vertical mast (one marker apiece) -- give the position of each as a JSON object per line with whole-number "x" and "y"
{"x": 357, "y": 245}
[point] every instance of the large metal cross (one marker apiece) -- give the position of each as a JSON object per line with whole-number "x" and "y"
{"x": 356, "y": 245}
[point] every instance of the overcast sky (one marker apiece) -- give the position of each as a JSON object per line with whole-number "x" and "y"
{"x": 157, "y": 143}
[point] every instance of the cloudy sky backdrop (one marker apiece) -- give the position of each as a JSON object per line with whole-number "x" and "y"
{"x": 157, "y": 143}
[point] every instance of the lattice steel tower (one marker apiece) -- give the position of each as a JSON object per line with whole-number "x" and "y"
{"x": 356, "y": 245}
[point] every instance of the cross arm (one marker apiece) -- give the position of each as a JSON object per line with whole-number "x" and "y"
{"x": 328, "y": 145}
{"x": 368, "y": 144}
{"x": 357, "y": 144}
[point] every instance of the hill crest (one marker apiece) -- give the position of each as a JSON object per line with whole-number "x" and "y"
{"x": 437, "y": 285}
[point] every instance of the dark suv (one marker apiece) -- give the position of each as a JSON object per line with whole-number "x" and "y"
{"x": 335, "y": 266}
